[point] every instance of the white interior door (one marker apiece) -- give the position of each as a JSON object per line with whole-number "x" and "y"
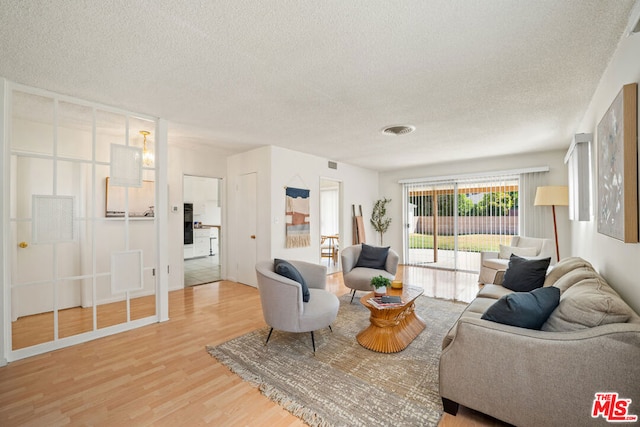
{"x": 247, "y": 235}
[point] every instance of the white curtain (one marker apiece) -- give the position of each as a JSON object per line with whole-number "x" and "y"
{"x": 329, "y": 224}
{"x": 535, "y": 221}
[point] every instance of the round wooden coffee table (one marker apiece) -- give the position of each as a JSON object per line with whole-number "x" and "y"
{"x": 392, "y": 328}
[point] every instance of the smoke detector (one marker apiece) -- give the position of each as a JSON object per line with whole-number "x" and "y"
{"x": 398, "y": 129}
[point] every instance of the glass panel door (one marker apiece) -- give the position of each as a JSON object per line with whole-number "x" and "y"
{"x": 449, "y": 223}
{"x": 64, "y": 245}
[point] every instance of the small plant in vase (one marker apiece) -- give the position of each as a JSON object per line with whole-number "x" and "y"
{"x": 379, "y": 284}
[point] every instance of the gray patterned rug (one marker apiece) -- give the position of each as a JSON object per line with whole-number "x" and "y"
{"x": 344, "y": 384}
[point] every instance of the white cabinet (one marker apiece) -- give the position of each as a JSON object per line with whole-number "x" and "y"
{"x": 200, "y": 242}
{"x": 200, "y": 246}
{"x": 188, "y": 251}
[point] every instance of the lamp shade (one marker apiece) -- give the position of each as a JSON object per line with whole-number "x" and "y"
{"x": 555, "y": 195}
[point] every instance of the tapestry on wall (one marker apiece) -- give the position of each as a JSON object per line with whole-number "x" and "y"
{"x": 297, "y": 217}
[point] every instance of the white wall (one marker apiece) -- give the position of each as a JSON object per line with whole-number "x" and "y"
{"x": 390, "y": 188}
{"x": 291, "y": 168}
{"x": 278, "y": 167}
{"x": 201, "y": 161}
{"x": 615, "y": 260}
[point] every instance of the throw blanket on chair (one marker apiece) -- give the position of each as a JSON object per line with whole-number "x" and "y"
{"x": 297, "y": 217}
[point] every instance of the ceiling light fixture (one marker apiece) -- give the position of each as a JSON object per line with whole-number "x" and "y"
{"x": 398, "y": 129}
{"x": 147, "y": 156}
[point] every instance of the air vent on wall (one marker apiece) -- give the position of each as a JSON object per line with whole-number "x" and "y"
{"x": 398, "y": 130}
{"x": 333, "y": 165}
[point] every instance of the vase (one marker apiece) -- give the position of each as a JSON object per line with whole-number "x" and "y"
{"x": 378, "y": 292}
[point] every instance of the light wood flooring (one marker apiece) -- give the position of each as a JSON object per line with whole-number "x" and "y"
{"x": 161, "y": 374}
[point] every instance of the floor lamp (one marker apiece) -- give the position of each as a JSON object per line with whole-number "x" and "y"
{"x": 553, "y": 196}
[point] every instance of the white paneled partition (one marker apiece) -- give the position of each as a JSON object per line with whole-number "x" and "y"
{"x": 72, "y": 271}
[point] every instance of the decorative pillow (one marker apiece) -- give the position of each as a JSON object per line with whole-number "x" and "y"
{"x": 507, "y": 251}
{"x": 286, "y": 269}
{"x": 590, "y": 302}
{"x": 524, "y": 309}
{"x": 373, "y": 257}
{"x": 524, "y": 275}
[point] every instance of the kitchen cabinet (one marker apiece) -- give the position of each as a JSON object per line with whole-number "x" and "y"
{"x": 200, "y": 246}
{"x": 201, "y": 242}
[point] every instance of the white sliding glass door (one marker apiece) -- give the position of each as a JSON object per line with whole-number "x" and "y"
{"x": 448, "y": 222}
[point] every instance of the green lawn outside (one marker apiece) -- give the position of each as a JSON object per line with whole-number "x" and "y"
{"x": 466, "y": 243}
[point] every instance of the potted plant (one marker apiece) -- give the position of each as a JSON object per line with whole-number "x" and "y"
{"x": 379, "y": 284}
{"x": 379, "y": 219}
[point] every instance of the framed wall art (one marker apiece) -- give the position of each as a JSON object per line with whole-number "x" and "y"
{"x": 617, "y": 163}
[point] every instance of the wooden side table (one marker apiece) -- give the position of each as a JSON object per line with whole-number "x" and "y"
{"x": 392, "y": 329}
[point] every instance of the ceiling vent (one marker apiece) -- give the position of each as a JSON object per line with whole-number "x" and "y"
{"x": 398, "y": 130}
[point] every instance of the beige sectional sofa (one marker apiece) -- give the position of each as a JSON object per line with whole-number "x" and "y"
{"x": 589, "y": 344}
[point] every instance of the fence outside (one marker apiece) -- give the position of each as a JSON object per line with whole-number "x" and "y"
{"x": 468, "y": 225}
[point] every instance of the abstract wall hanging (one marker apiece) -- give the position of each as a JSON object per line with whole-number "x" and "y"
{"x": 617, "y": 159}
{"x": 297, "y": 218}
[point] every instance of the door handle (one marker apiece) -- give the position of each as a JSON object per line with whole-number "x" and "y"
{"x": 253, "y": 236}
{"x": 23, "y": 244}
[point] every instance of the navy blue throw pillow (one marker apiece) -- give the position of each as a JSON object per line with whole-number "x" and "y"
{"x": 286, "y": 269}
{"x": 524, "y": 309}
{"x": 524, "y": 275}
{"x": 373, "y": 257}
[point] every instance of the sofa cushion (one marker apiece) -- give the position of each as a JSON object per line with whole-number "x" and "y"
{"x": 496, "y": 263}
{"x": 524, "y": 309}
{"x": 286, "y": 269}
{"x": 590, "y": 302}
{"x": 563, "y": 267}
{"x": 480, "y": 305}
{"x": 574, "y": 276}
{"x": 524, "y": 275}
{"x": 373, "y": 257}
{"x": 507, "y": 251}
{"x": 493, "y": 291}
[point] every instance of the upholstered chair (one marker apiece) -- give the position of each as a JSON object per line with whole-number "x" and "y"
{"x": 358, "y": 278}
{"x": 491, "y": 262}
{"x": 282, "y": 299}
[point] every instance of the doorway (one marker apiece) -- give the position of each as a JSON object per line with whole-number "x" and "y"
{"x": 202, "y": 213}
{"x": 330, "y": 223}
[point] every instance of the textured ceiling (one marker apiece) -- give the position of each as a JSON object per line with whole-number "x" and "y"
{"x": 476, "y": 78}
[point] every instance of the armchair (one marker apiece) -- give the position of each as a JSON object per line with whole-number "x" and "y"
{"x": 359, "y": 278}
{"x": 491, "y": 262}
{"x": 282, "y": 304}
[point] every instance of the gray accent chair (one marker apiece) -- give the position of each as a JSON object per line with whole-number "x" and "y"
{"x": 359, "y": 278}
{"x": 491, "y": 263}
{"x": 281, "y": 298}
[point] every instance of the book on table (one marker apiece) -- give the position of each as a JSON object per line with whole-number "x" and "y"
{"x": 385, "y": 302}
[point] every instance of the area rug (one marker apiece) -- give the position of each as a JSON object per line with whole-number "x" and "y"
{"x": 344, "y": 384}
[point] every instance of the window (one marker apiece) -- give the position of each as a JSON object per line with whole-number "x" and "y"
{"x": 450, "y": 220}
